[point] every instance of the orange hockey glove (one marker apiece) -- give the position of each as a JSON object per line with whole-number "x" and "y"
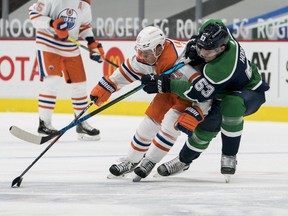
{"x": 61, "y": 29}
{"x": 96, "y": 51}
{"x": 102, "y": 91}
{"x": 189, "y": 119}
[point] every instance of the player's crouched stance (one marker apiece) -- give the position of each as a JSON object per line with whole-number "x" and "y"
{"x": 157, "y": 133}
{"x": 231, "y": 81}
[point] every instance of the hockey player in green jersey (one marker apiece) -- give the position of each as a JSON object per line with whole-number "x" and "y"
{"x": 227, "y": 77}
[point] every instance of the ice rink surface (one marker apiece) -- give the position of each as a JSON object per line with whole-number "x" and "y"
{"x": 71, "y": 178}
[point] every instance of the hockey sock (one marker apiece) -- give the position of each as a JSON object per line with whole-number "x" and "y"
{"x": 79, "y": 97}
{"x": 187, "y": 155}
{"x": 142, "y": 139}
{"x": 47, "y": 97}
{"x": 165, "y": 138}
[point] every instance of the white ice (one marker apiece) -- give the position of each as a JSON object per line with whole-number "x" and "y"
{"x": 71, "y": 178}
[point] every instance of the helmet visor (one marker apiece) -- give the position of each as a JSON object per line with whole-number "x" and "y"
{"x": 143, "y": 54}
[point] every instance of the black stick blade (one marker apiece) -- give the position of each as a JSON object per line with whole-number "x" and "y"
{"x": 17, "y": 181}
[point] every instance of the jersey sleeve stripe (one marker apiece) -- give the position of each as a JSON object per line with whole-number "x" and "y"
{"x": 124, "y": 75}
{"x": 47, "y": 38}
{"x": 131, "y": 69}
{"x": 194, "y": 76}
{"x": 39, "y": 38}
{"x": 84, "y": 27}
{"x": 136, "y": 77}
{"x": 48, "y": 45}
{"x": 35, "y": 16}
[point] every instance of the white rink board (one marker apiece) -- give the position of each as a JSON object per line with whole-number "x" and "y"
{"x": 17, "y": 59}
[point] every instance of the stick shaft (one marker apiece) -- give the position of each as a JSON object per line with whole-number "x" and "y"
{"x": 87, "y": 49}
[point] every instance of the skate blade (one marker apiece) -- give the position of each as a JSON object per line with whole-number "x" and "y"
{"x": 86, "y": 137}
{"x": 137, "y": 178}
{"x": 157, "y": 175}
{"x": 111, "y": 176}
{"x": 227, "y": 178}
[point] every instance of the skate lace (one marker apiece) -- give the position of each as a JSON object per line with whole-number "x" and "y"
{"x": 124, "y": 166}
{"x": 174, "y": 165}
{"x": 86, "y": 126}
{"x": 49, "y": 126}
{"x": 228, "y": 161}
{"x": 147, "y": 165}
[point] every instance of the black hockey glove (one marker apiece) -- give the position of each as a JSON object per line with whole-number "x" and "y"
{"x": 191, "y": 52}
{"x": 155, "y": 84}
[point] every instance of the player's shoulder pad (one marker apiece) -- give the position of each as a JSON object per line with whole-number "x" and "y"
{"x": 88, "y": 1}
{"x": 222, "y": 68}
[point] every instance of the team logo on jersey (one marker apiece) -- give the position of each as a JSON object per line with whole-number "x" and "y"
{"x": 51, "y": 67}
{"x": 70, "y": 16}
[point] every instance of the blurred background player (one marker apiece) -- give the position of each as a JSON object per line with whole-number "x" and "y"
{"x": 54, "y": 20}
{"x": 154, "y": 54}
{"x": 234, "y": 84}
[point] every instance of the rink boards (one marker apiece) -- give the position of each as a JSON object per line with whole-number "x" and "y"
{"x": 19, "y": 78}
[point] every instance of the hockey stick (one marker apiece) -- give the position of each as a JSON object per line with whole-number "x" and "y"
{"x": 87, "y": 49}
{"x": 36, "y": 139}
{"x": 18, "y": 180}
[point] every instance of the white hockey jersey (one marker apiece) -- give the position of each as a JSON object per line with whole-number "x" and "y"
{"x": 133, "y": 69}
{"x": 77, "y": 14}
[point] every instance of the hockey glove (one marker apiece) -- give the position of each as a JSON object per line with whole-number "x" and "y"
{"x": 154, "y": 83}
{"x": 96, "y": 51}
{"x": 189, "y": 119}
{"x": 102, "y": 91}
{"x": 61, "y": 29}
{"x": 191, "y": 52}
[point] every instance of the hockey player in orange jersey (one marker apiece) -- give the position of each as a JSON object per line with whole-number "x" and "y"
{"x": 154, "y": 54}
{"x": 54, "y": 21}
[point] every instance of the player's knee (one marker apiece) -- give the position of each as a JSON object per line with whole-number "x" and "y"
{"x": 200, "y": 139}
{"x": 51, "y": 85}
{"x": 168, "y": 123}
{"x": 232, "y": 106}
{"x": 148, "y": 128}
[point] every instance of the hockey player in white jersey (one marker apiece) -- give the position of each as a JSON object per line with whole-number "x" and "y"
{"x": 156, "y": 133}
{"x": 54, "y": 21}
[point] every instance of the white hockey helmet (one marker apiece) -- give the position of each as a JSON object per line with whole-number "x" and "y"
{"x": 149, "y": 38}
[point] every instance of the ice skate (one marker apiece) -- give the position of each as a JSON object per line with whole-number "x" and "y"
{"x": 46, "y": 128}
{"x": 87, "y": 132}
{"x": 144, "y": 169}
{"x": 122, "y": 168}
{"x": 172, "y": 167}
{"x": 228, "y": 166}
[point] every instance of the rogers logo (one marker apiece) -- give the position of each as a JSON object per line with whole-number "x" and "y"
{"x": 114, "y": 55}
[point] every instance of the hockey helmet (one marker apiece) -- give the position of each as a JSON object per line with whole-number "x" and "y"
{"x": 149, "y": 38}
{"x": 213, "y": 36}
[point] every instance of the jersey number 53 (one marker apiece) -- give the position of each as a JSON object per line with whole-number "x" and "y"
{"x": 204, "y": 87}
